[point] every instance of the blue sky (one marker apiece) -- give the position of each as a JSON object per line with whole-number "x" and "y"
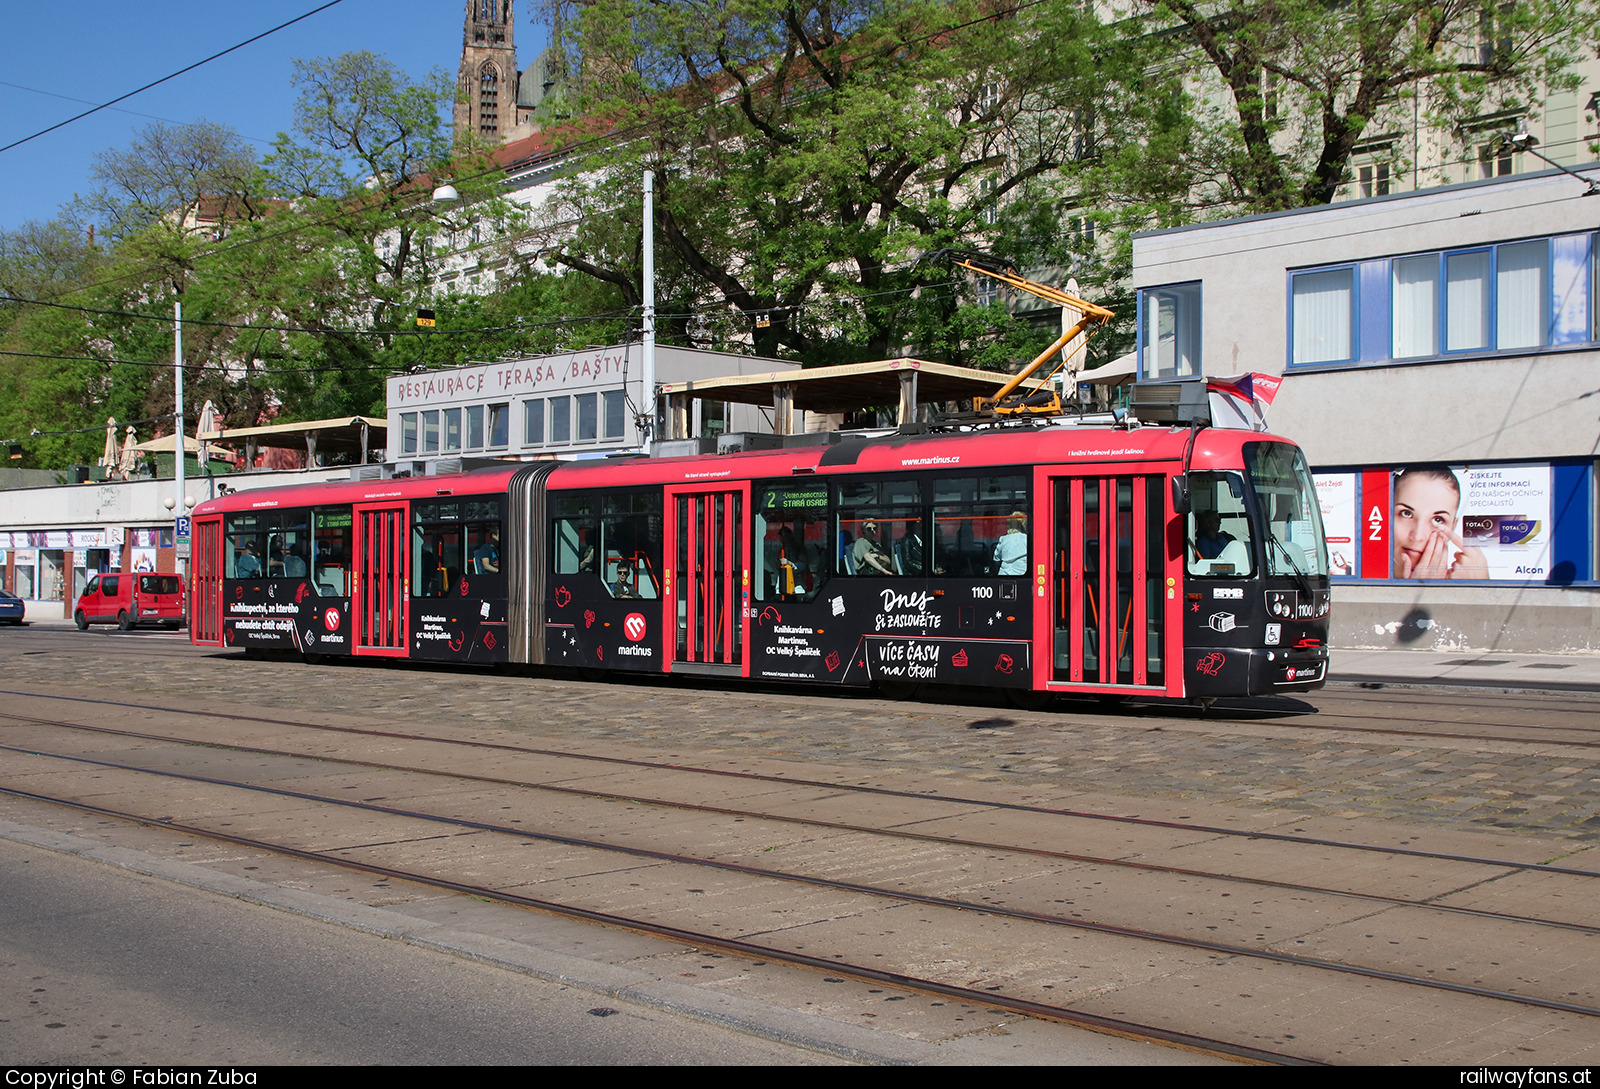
{"x": 98, "y": 49}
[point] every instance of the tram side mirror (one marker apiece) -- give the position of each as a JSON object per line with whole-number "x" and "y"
{"x": 1180, "y": 495}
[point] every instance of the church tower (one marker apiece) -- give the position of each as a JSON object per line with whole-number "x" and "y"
{"x": 486, "y": 94}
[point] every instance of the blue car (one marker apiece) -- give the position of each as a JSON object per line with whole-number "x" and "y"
{"x": 11, "y": 608}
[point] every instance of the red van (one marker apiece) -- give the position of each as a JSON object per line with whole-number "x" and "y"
{"x": 128, "y": 599}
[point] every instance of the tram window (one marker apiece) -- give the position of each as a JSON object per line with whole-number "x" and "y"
{"x": 871, "y": 519}
{"x": 1219, "y": 537}
{"x": 286, "y": 546}
{"x": 631, "y": 532}
{"x": 454, "y": 544}
{"x": 330, "y": 557}
{"x": 244, "y": 544}
{"x": 435, "y": 560}
{"x": 791, "y": 532}
{"x": 575, "y": 533}
{"x": 970, "y": 517}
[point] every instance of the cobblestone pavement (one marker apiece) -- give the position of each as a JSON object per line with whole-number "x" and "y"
{"x": 1077, "y": 755}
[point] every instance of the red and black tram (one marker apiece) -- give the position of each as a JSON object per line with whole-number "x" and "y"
{"x": 1161, "y": 561}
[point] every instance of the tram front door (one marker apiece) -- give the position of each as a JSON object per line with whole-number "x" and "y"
{"x": 1113, "y": 590}
{"x": 706, "y": 591}
{"x": 381, "y": 587}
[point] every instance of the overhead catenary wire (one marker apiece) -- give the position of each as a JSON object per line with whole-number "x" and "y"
{"x": 170, "y": 76}
{"x": 578, "y": 147}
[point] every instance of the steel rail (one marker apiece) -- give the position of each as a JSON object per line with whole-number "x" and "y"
{"x": 1135, "y": 933}
{"x": 816, "y": 822}
{"x": 887, "y": 792}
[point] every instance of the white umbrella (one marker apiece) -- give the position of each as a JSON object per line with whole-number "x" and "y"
{"x": 109, "y": 458}
{"x": 130, "y": 454}
{"x": 205, "y": 426}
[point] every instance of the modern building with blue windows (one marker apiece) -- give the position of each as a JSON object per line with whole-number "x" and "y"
{"x": 1440, "y": 354}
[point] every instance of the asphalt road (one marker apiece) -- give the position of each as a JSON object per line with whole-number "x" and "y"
{"x": 110, "y": 967}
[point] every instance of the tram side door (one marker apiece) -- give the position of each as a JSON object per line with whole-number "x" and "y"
{"x": 205, "y": 594}
{"x": 706, "y": 591}
{"x": 380, "y": 590}
{"x": 1113, "y": 621}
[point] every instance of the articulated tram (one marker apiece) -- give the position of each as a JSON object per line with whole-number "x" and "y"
{"x": 1162, "y": 561}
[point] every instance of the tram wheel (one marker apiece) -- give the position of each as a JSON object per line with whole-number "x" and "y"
{"x": 124, "y": 621}
{"x": 82, "y": 621}
{"x": 1026, "y": 699}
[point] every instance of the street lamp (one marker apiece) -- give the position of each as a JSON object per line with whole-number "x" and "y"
{"x": 1524, "y": 141}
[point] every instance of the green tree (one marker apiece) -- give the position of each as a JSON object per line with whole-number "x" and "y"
{"x": 1287, "y": 89}
{"x": 808, "y": 154}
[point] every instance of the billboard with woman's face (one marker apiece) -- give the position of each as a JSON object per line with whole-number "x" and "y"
{"x": 1443, "y": 521}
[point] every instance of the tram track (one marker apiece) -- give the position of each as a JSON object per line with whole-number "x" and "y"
{"x": 983, "y": 907}
{"x": 986, "y": 997}
{"x": 639, "y": 797}
{"x": 786, "y": 780}
{"x": 824, "y": 817}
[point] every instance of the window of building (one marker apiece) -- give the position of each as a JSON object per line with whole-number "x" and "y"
{"x": 499, "y": 426}
{"x": 1516, "y": 295}
{"x": 588, "y": 417}
{"x": 1323, "y": 316}
{"x": 713, "y": 418}
{"x": 430, "y": 432}
{"x": 1169, "y": 331}
{"x": 533, "y": 422}
{"x": 616, "y": 413}
{"x": 1374, "y": 180}
{"x": 561, "y": 419}
{"x": 474, "y": 427}
{"x": 408, "y": 432}
{"x": 452, "y": 429}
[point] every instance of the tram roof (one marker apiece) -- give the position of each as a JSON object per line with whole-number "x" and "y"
{"x": 1052, "y": 445}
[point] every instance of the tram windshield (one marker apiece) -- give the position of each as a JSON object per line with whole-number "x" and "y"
{"x": 1294, "y": 543}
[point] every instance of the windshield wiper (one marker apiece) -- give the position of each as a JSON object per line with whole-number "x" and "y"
{"x": 1300, "y": 578}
